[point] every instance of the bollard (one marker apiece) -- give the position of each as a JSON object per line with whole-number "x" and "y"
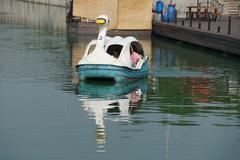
{"x": 199, "y": 25}
{"x": 161, "y": 15}
{"x": 175, "y": 16}
{"x": 182, "y": 22}
{"x": 218, "y": 29}
{"x": 209, "y": 23}
{"x": 191, "y": 17}
{"x": 229, "y": 24}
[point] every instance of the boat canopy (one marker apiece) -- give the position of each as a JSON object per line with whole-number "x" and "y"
{"x": 123, "y": 14}
{"x": 119, "y": 45}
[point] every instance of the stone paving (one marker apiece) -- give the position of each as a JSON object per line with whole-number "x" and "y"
{"x": 222, "y": 22}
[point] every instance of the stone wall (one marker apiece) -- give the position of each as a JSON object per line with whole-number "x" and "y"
{"x": 61, "y": 3}
{"x": 33, "y": 14}
{"x": 231, "y": 7}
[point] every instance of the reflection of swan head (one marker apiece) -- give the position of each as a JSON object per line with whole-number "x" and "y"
{"x": 100, "y": 138}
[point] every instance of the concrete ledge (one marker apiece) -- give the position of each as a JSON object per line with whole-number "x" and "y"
{"x": 92, "y": 29}
{"x": 219, "y": 42}
{"x": 61, "y": 3}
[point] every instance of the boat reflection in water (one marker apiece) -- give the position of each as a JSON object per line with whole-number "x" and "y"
{"x": 114, "y": 102}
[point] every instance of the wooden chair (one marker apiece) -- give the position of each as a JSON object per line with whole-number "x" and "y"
{"x": 215, "y": 14}
{"x": 206, "y": 14}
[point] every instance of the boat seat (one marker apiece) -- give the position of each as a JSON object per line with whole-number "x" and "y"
{"x": 142, "y": 60}
{"x": 139, "y": 64}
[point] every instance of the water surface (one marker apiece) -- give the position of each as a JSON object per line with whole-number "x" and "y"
{"x": 188, "y": 108}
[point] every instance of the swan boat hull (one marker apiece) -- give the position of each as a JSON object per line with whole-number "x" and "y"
{"x": 111, "y": 72}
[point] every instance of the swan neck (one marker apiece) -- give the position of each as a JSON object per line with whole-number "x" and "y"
{"x": 102, "y": 36}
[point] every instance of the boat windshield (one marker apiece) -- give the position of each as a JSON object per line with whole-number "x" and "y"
{"x": 114, "y": 50}
{"x": 91, "y": 49}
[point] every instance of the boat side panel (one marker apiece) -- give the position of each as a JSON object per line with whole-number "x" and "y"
{"x": 111, "y": 71}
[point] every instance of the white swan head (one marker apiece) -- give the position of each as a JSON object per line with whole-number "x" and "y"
{"x": 102, "y": 20}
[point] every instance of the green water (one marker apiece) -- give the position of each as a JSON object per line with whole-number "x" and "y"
{"x": 188, "y": 108}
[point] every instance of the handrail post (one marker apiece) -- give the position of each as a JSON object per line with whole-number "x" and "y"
{"x": 191, "y": 17}
{"x": 219, "y": 29}
{"x": 229, "y": 24}
{"x": 175, "y": 16}
{"x": 209, "y": 23}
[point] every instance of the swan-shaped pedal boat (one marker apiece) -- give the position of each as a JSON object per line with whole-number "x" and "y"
{"x": 111, "y": 58}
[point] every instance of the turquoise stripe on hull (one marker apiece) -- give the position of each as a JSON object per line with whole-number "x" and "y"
{"x": 116, "y": 73}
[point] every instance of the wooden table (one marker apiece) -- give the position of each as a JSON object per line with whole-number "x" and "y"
{"x": 190, "y": 12}
{"x": 201, "y": 13}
